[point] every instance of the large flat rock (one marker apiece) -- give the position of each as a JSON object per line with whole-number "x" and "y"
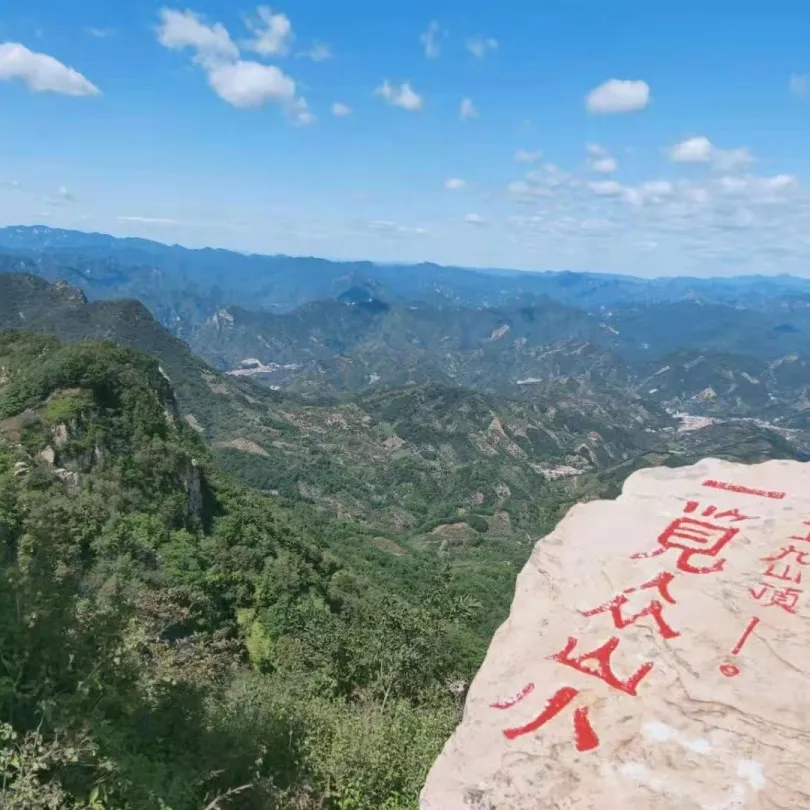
{"x": 656, "y": 656}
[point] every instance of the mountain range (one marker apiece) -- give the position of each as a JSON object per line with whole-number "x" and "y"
{"x": 110, "y": 267}
{"x": 327, "y": 328}
{"x": 407, "y": 405}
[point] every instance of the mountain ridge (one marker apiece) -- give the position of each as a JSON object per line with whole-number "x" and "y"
{"x": 280, "y": 283}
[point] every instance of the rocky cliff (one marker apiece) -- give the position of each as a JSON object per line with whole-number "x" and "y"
{"x": 656, "y": 655}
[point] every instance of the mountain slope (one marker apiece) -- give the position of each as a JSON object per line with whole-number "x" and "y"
{"x": 371, "y": 344}
{"x": 174, "y": 636}
{"x": 659, "y": 329}
{"x": 30, "y": 303}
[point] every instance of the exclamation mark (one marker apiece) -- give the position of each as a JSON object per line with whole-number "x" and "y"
{"x": 732, "y": 670}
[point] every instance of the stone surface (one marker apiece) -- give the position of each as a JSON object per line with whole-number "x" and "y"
{"x": 704, "y": 700}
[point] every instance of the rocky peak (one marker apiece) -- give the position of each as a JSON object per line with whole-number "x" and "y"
{"x": 72, "y": 294}
{"x": 655, "y": 655}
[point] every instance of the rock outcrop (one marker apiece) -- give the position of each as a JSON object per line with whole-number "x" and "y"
{"x": 656, "y": 657}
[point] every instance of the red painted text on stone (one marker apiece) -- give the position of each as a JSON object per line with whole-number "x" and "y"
{"x": 654, "y": 607}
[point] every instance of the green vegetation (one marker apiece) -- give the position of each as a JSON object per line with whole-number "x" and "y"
{"x": 168, "y": 637}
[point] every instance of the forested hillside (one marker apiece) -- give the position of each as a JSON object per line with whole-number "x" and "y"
{"x": 169, "y": 637}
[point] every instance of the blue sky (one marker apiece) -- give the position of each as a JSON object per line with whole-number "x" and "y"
{"x": 634, "y": 137}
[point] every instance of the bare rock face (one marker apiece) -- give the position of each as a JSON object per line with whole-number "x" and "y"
{"x": 656, "y": 657}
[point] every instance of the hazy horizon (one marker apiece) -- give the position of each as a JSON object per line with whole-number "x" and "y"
{"x": 471, "y": 268}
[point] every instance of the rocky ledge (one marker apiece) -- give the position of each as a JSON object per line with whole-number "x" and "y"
{"x": 657, "y": 655}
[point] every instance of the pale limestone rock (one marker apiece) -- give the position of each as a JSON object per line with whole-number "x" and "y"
{"x": 60, "y": 435}
{"x": 69, "y": 478}
{"x": 720, "y": 719}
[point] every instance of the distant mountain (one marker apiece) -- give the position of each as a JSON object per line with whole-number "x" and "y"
{"x": 705, "y": 359}
{"x": 766, "y": 332}
{"x": 710, "y": 360}
{"x": 724, "y": 385}
{"x": 184, "y": 287}
{"x": 353, "y": 345}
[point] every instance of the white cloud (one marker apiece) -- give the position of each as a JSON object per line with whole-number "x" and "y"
{"x": 41, "y": 73}
{"x": 184, "y": 29}
{"x": 799, "y": 85}
{"x": 698, "y": 149}
{"x": 547, "y": 181}
{"x": 652, "y": 191}
{"x": 604, "y": 165}
{"x": 317, "y": 52}
{"x": 384, "y": 226}
{"x": 474, "y": 219}
{"x": 250, "y": 84}
{"x": 780, "y": 182}
{"x": 523, "y": 189}
{"x": 600, "y": 160}
{"x": 524, "y": 156}
{"x": 734, "y": 185}
{"x": 519, "y": 187}
{"x": 551, "y": 176}
{"x": 729, "y": 160}
{"x": 658, "y": 188}
{"x": 467, "y": 109}
{"x": 480, "y": 46}
{"x": 618, "y": 96}
{"x": 696, "y": 194}
{"x": 606, "y": 188}
{"x": 759, "y": 189}
{"x": 61, "y": 197}
{"x": 272, "y": 32}
{"x": 704, "y": 224}
{"x": 403, "y": 96}
{"x": 454, "y": 184}
{"x": 341, "y": 110}
{"x": 300, "y": 114}
{"x": 9, "y": 184}
{"x": 242, "y": 83}
{"x": 430, "y": 40}
{"x": 149, "y": 220}
{"x": 100, "y": 33}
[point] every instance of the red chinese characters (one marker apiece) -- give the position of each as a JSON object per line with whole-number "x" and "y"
{"x": 779, "y": 586}
{"x": 695, "y": 538}
{"x": 654, "y": 607}
{"x": 698, "y": 537}
{"x": 741, "y": 490}
{"x": 781, "y": 581}
{"x": 770, "y": 596}
{"x": 602, "y": 655}
{"x": 513, "y": 700}
{"x": 584, "y": 735}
